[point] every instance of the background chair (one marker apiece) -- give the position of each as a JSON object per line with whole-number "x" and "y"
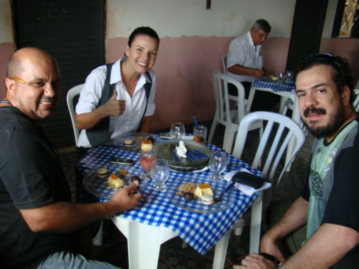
{"x": 71, "y": 94}
{"x": 224, "y": 63}
{"x": 224, "y": 115}
{"x": 284, "y": 129}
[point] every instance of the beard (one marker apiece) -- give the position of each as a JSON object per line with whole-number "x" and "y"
{"x": 335, "y": 121}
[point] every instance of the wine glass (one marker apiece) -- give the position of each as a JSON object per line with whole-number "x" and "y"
{"x": 177, "y": 130}
{"x": 218, "y": 163}
{"x": 146, "y": 158}
{"x": 160, "y": 172}
{"x": 289, "y": 76}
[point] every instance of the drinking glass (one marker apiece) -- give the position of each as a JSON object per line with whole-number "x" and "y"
{"x": 160, "y": 172}
{"x": 177, "y": 130}
{"x": 200, "y": 135}
{"x": 289, "y": 76}
{"x": 146, "y": 159}
{"x": 218, "y": 163}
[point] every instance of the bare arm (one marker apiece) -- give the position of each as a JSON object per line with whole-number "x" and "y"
{"x": 66, "y": 217}
{"x": 293, "y": 219}
{"x": 241, "y": 70}
{"x": 327, "y": 246}
{"x": 145, "y": 125}
{"x": 113, "y": 107}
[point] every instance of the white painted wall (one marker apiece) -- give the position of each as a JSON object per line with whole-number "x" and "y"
{"x": 175, "y": 18}
{"x": 6, "y": 33}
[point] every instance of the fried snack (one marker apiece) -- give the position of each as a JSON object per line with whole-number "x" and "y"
{"x": 123, "y": 172}
{"x": 114, "y": 182}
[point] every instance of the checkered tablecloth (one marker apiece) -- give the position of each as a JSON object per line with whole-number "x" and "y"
{"x": 201, "y": 231}
{"x": 274, "y": 85}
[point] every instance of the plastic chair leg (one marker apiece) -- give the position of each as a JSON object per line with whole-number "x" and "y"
{"x": 238, "y": 231}
{"x": 213, "y": 128}
{"x": 97, "y": 240}
{"x": 228, "y": 138}
{"x": 220, "y": 251}
{"x": 256, "y": 220}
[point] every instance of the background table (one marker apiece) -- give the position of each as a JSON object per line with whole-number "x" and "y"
{"x": 157, "y": 218}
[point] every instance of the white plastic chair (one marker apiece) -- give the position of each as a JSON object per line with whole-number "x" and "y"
{"x": 270, "y": 164}
{"x": 71, "y": 94}
{"x": 224, "y": 63}
{"x": 356, "y": 101}
{"x": 224, "y": 115}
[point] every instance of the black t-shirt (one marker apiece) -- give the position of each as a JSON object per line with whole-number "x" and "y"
{"x": 31, "y": 176}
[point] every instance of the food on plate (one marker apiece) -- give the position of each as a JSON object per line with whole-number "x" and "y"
{"x": 128, "y": 142}
{"x": 102, "y": 172}
{"x": 207, "y": 199}
{"x": 274, "y": 78}
{"x": 114, "y": 182}
{"x": 188, "y": 196}
{"x": 133, "y": 178}
{"x": 123, "y": 172}
{"x": 181, "y": 150}
{"x": 198, "y": 139}
{"x": 120, "y": 175}
{"x": 150, "y": 138}
{"x": 146, "y": 145}
{"x": 203, "y": 189}
{"x": 189, "y": 187}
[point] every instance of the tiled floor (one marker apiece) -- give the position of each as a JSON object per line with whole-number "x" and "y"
{"x": 173, "y": 255}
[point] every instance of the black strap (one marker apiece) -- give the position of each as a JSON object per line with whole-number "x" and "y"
{"x": 5, "y": 102}
{"x": 99, "y": 133}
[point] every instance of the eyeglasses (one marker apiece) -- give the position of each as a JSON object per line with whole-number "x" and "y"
{"x": 324, "y": 56}
{"x": 18, "y": 79}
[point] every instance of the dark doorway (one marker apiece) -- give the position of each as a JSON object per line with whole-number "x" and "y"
{"x": 74, "y": 33}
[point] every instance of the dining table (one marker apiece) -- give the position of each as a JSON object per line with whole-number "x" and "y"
{"x": 156, "y": 218}
{"x": 285, "y": 88}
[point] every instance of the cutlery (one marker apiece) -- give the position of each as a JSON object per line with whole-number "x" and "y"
{"x": 218, "y": 199}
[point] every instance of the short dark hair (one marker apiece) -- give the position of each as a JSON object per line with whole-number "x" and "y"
{"x": 262, "y": 24}
{"x": 144, "y": 30}
{"x": 343, "y": 73}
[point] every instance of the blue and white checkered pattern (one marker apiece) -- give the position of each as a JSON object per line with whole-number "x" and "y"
{"x": 201, "y": 231}
{"x": 274, "y": 85}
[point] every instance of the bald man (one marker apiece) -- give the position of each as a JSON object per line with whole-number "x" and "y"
{"x": 36, "y": 213}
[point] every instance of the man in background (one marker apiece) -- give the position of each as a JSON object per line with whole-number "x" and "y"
{"x": 245, "y": 63}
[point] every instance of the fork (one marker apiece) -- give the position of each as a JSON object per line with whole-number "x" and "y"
{"x": 218, "y": 199}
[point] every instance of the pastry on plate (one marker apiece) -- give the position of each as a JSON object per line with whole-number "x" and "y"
{"x": 101, "y": 172}
{"x": 114, "y": 182}
{"x": 146, "y": 145}
{"x": 203, "y": 189}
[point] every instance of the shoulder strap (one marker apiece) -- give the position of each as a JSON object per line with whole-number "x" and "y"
{"x": 99, "y": 133}
{"x": 147, "y": 88}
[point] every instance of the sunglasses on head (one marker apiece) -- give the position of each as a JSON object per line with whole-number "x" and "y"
{"x": 324, "y": 56}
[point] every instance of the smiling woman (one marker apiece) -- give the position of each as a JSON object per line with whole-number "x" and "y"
{"x": 119, "y": 98}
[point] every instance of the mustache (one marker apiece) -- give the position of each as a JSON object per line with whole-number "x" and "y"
{"x": 314, "y": 110}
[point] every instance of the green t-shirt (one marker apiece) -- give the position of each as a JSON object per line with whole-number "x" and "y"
{"x": 321, "y": 176}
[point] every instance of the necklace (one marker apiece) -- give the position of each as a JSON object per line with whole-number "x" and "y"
{"x": 5, "y": 102}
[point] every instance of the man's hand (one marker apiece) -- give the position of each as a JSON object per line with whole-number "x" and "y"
{"x": 256, "y": 261}
{"x": 114, "y": 107}
{"x": 257, "y": 73}
{"x": 126, "y": 198}
{"x": 269, "y": 246}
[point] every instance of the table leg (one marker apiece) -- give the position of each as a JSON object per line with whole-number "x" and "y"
{"x": 143, "y": 241}
{"x": 220, "y": 251}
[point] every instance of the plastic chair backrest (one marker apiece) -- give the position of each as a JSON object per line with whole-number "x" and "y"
{"x": 278, "y": 146}
{"x": 356, "y": 101}
{"x": 220, "y": 85}
{"x": 224, "y": 63}
{"x": 71, "y": 94}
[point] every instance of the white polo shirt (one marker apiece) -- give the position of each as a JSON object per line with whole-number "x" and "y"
{"x": 242, "y": 51}
{"x": 130, "y": 120}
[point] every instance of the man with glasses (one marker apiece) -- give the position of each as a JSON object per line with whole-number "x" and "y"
{"x": 245, "y": 63}
{"x": 36, "y": 213}
{"x": 321, "y": 228}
